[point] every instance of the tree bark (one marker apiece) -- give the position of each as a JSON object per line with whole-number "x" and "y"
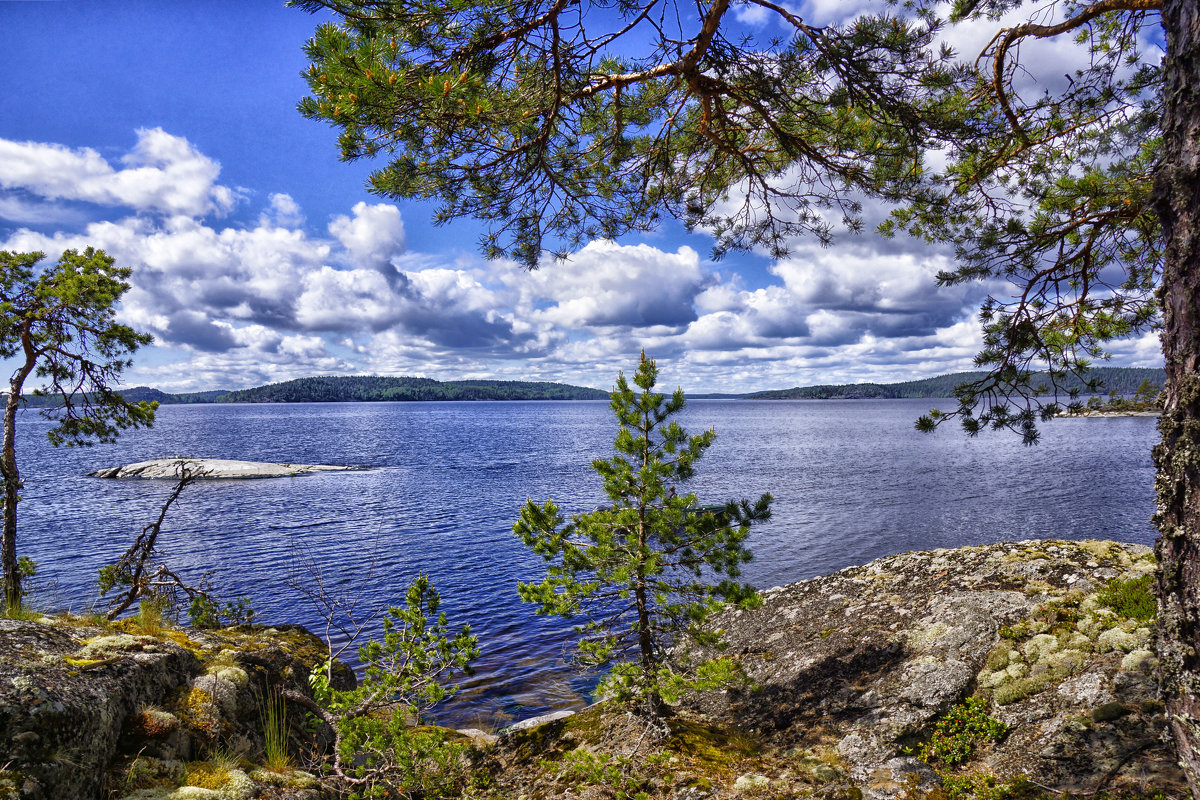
{"x": 12, "y": 485}
{"x": 12, "y": 478}
{"x": 1177, "y": 457}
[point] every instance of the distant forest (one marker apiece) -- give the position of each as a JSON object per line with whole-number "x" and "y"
{"x": 373, "y": 389}
{"x": 1121, "y": 380}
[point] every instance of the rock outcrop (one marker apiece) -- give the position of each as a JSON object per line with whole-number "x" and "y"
{"x": 864, "y": 662}
{"x": 213, "y": 469}
{"x": 90, "y": 712}
{"x": 852, "y": 679}
{"x": 854, "y": 676}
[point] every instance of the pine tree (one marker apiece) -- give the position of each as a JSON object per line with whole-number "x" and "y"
{"x": 640, "y": 571}
{"x": 58, "y": 325}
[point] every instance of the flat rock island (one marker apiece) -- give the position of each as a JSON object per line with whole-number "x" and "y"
{"x": 214, "y": 469}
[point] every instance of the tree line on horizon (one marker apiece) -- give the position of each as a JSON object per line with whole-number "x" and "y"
{"x": 373, "y": 388}
{"x": 1112, "y": 380}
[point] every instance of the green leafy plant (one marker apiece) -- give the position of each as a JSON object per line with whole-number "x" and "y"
{"x": 1133, "y": 598}
{"x": 149, "y": 619}
{"x": 206, "y": 612}
{"x": 956, "y": 736}
{"x": 981, "y": 786}
{"x": 393, "y": 759}
{"x": 617, "y": 773}
{"x": 643, "y": 571}
{"x": 377, "y": 749}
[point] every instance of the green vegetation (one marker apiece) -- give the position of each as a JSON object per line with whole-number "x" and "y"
{"x": 985, "y": 786}
{"x": 1133, "y": 598}
{"x": 957, "y": 735}
{"x": 380, "y": 389}
{"x": 1144, "y": 398}
{"x": 378, "y": 752}
{"x": 273, "y": 717}
{"x": 1078, "y": 194}
{"x": 362, "y": 388}
{"x": 58, "y": 324}
{"x": 1122, "y": 380}
{"x": 639, "y": 570}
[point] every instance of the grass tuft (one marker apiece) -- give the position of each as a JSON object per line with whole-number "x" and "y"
{"x": 272, "y": 714}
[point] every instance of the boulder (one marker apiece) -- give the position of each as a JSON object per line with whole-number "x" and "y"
{"x": 65, "y": 695}
{"x": 213, "y": 469}
{"x": 90, "y": 712}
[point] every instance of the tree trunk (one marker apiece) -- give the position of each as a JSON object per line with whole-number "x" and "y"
{"x": 12, "y": 486}
{"x": 10, "y": 474}
{"x": 1177, "y": 457}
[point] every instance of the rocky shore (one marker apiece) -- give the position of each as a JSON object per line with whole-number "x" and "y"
{"x": 853, "y": 682}
{"x": 852, "y": 674}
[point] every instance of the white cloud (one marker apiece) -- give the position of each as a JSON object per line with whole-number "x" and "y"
{"x": 236, "y": 306}
{"x": 607, "y": 284}
{"x": 357, "y": 299}
{"x": 372, "y": 236}
{"x": 282, "y": 211}
{"x": 163, "y": 174}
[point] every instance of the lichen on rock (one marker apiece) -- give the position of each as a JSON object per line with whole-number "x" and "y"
{"x": 86, "y": 711}
{"x": 868, "y": 659}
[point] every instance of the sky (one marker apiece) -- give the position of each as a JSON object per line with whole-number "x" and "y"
{"x": 166, "y": 134}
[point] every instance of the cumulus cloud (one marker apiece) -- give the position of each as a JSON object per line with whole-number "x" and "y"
{"x": 282, "y": 211}
{"x": 607, "y": 284}
{"x": 276, "y": 300}
{"x": 163, "y": 173}
{"x": 372, "y": 236}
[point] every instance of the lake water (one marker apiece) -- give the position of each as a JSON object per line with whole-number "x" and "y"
{"x": 852, "y": 480}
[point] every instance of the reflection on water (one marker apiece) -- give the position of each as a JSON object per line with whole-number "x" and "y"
{"x": 853, "y": 481}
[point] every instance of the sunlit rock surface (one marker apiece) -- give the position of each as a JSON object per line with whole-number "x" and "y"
{"x": 214, "y": 468}
{"x": 865, "y": 661}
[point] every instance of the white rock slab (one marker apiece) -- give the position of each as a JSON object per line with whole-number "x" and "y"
{"x": 213, "y": 468}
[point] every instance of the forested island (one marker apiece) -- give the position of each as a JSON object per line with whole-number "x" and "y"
{"x": 1114, "y": 380}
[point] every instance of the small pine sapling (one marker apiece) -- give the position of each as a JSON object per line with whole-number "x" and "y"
{"x": 647, "y": 571}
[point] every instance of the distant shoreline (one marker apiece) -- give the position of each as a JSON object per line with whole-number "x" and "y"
{"x": 371, "y": 388}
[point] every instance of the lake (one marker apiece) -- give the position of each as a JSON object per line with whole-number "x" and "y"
{"x": 852, "y": 480}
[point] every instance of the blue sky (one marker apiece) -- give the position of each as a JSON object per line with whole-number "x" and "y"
{"x": 166, "y": 134}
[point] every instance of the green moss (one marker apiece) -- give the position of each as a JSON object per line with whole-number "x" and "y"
{"x": 1020, "y": 689}
{"x": 712, "y": 750}
{"x": 287, "y": 779}
{"x": 981, "y": 786}
{"x": 196, "y": 709}
{"x": 998, "y": 659}
{"x": 1110, "y": 712}
{"x": 146, "y": 773}
{"x": 1104, "y": 551}
{"x": 11, "y": 782}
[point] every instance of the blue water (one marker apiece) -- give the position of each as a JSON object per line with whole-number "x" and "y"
{"x": 852, "y": 480}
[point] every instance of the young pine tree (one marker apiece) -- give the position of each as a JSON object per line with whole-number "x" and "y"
{"x": 647, "y": 571}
